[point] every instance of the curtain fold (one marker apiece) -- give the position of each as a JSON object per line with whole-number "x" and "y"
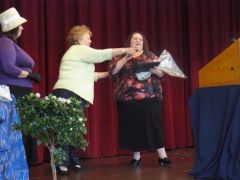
{"x": 192, "y": 31}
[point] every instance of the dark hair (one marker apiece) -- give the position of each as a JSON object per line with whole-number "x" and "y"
{"x": 145, "y": 42}
{"x": 12, "y": 34}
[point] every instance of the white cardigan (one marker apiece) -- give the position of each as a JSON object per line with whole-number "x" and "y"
{"x": 77, "y": 69}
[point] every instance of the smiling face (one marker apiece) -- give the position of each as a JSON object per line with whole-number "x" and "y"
{"x": 137, "y": 41}
{"x": 80, "y": 35}
{"x": 85, "y": 39}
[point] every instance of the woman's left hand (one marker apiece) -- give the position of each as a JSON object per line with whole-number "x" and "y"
{"x": 157, "y": 72}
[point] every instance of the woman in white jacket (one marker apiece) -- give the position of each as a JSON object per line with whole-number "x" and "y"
{"x": 77, "y": 75}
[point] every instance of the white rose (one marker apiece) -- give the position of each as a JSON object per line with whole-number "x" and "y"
{"x": 68, "y": 101}
{"x": 38, "y": 95}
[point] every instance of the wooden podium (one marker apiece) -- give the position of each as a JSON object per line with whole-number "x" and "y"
{"x": 224, "y": 69}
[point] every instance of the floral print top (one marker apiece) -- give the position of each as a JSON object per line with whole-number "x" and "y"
{"x": 126, "y": 86}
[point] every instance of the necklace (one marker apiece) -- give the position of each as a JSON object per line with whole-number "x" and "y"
{"x": 137, "y": 53}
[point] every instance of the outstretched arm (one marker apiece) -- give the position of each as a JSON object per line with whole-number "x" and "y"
{"x": 120, "y": 51}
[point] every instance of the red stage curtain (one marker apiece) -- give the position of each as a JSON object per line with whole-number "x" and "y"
{"x": 192, "y": 31}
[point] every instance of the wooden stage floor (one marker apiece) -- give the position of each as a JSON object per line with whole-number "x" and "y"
{"x": 116, "y": 168}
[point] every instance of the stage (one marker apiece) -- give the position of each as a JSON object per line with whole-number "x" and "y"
{"x": 116, "y": 168}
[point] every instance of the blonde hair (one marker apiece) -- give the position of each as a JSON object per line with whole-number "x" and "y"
{"x": 76, "y": 32}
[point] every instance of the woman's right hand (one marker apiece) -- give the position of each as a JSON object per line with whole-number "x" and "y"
{"x": 127, "y": 57}
{"x": 120, "y": 63}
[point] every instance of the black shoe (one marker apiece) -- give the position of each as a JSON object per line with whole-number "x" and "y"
{"x": 135, "y": 163}
{"x": 77, "y": 168}
{"x": 62, "y": 172}
{"x": 164, "y": 162}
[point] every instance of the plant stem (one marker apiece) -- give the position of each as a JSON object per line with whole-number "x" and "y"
{"x": 53, "y": 166}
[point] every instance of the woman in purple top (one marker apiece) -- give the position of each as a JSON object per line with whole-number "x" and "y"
{"x": 16, "y": 66}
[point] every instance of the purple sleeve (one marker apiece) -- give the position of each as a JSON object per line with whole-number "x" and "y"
{"x": 8, "y": 58}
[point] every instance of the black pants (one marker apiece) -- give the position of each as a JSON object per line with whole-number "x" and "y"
{"x": 71, "y": 151}
{"x": 30, "y": 144}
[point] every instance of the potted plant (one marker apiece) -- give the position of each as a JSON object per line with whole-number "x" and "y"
{"x": 52, "y": 121}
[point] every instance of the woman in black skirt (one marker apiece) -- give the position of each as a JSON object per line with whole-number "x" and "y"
{"x": 138, "y": 92}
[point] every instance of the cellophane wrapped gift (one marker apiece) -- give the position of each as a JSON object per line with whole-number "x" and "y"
{"x": 169, "y": 66}
{"x": 141, "y": 76}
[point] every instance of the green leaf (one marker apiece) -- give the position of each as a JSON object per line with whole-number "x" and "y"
{"x": 53, "y": 121}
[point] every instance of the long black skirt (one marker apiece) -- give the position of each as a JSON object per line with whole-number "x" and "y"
{"x": 139, "y": 126}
